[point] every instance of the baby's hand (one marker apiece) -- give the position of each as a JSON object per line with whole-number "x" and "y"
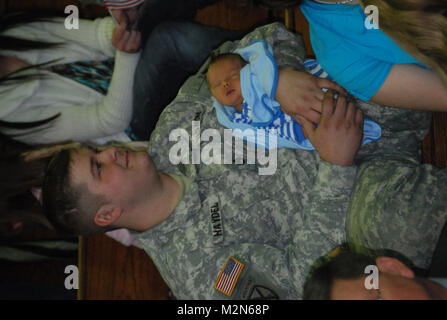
{"x": 300, "y": 94}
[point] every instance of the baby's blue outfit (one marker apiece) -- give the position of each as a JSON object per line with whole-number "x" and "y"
{"x": 357, "y": 58}
{"x": 261, "y": 111}
{"x": 282, "y": 125}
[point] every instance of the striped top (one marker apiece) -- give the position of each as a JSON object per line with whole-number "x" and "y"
{"x": 283, "y": 125}
{"x": 122, "y": 4}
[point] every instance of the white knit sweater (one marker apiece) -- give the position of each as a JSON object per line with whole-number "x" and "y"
{"x": 85, "y": 113}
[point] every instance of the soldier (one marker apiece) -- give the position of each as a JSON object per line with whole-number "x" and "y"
{"x": 218, "y": 230}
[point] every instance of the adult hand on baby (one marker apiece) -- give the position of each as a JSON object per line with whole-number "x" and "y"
{"x": 123, "y": 39}
{"x": 299, "y": 93}
{"x": 339, "y": 133}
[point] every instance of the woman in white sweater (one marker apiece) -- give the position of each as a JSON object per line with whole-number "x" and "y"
{"x": 84, "y": 113}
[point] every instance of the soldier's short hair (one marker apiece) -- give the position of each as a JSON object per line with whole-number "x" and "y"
{"x": 345, "y": 265}
{"x": 69, "y": 208}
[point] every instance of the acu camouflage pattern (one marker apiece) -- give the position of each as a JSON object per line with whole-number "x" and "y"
{"x": 277, "y": 225}
{"x": 397, "y": 203}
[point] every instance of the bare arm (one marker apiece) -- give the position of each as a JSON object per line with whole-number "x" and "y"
{"x": 412, "y": 87}
{"x": 108, "y": 116}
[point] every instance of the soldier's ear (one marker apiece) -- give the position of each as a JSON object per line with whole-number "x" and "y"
{"x": 107, "y": 214}
{"x": 394, "y": 266}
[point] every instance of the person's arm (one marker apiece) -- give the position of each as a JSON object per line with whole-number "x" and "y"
{"x": 112, "y": 114}
{"x": 337, "y": 140}
{"x": 94, "y": 34}
{"x": 412, "y": 87}
{"x": 278, "y": 273}
{"x": 299, "y": 93}
{"x": 92, "y": 41}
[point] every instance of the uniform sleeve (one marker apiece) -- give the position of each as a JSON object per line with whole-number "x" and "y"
{"x": 262, "y": 266}
{"x": 329, "y": 200}
{"x": 325, "y": 217}
{"x": 323, "y": 228}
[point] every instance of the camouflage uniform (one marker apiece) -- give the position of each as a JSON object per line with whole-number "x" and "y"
{"x": 276, "y": 225}
{"x": 398, "y": 203}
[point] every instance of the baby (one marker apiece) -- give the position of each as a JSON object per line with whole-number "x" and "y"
{"x": 249, "y": 87}
{"x": 223, "y": 79}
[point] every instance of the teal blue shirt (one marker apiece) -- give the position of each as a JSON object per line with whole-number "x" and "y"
{"x": 357, "y": 58}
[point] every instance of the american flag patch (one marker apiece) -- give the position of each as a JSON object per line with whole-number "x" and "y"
{"x": 228, "y": 276}
{"x": 121, "y": 4}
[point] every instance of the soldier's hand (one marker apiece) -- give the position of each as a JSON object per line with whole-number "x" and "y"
{"x": 339, "y": 133}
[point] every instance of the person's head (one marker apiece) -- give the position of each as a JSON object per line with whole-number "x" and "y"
{"x": 88, "y": 191}
{"x": 419, "y": 27}
{"x": 382, "y": 274}
{"x": 223, "y": 78}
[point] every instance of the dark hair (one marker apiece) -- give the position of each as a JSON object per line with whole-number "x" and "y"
{"x": 37, "y": 125}
{"x": 57, "y": 196}
{"x": 17, "y": 202}
{"x": 69, "y": 208}
{"x": 215, "y": 57}
{"x": 11, "y": 20}
{"x": 345, "y": 265}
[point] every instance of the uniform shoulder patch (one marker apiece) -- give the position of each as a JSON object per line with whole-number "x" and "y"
{"x": 262, "y": 293}
{"x": 228, "y": 276}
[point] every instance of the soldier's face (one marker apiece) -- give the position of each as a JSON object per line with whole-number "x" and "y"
{"x": 121, "y": 175}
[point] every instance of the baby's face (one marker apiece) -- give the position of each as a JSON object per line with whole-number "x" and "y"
{"x": 224, "y": 81}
